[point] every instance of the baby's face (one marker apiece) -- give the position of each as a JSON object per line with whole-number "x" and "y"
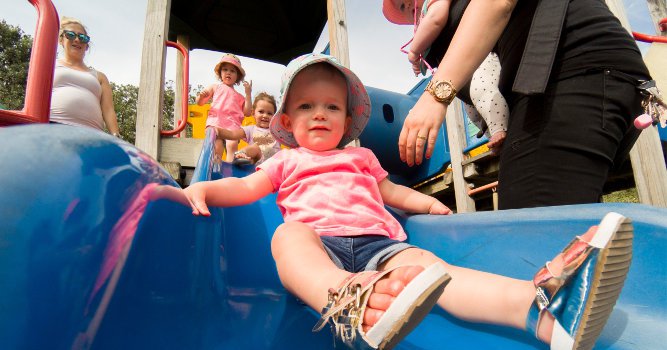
{"x": 264, "y": 110}
{"x": 408, "y": 9}
{"x": 316, "y": 109}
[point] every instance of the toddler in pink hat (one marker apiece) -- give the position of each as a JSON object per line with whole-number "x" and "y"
{"x": 228, "y": 107}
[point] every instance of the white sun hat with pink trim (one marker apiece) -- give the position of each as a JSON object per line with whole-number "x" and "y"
{"x": 358, "y": 102}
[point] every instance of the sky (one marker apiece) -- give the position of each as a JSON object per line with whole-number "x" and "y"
{"x": 116, "y": 28}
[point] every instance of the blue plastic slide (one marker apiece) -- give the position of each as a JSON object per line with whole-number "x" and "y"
{"x": 95, "y": 253}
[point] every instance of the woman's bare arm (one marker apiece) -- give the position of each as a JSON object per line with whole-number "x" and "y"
{"x": 482, "y": 24}
{"x": 106, "y": 104}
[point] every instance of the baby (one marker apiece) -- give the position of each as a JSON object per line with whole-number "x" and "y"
{"x": 339, "y": 249}
{"x": 489, "y": 110}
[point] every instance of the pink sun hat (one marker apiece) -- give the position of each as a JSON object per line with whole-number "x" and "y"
{"x": 233, "y": 60}
{"x": 394, "y": 15}
{"x": 358, "y": 102}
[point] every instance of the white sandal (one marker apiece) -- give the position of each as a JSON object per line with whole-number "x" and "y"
{"x": 347, "y": 305}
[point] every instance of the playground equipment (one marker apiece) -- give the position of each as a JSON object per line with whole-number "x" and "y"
{"x": 97, "y": 251}
{"x": 197, "y": 118}
{"x": 101, "y": 254}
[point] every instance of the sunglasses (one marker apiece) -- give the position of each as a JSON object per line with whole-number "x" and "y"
{"x": 70, "y": 35}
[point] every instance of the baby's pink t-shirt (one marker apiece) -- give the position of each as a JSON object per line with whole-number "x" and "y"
{"x": 335, "y": 192}
{"x": 226, "y": 108}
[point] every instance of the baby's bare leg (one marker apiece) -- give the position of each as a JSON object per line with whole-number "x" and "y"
{"x": 474, "y": 295}
{"x": 306, "y": 270}
{"x": 304, "y": 267}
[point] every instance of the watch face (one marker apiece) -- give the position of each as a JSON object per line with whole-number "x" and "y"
{"x": 442, "y": 90}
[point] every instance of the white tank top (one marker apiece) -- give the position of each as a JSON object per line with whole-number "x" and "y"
{"x": 75, "y": 98}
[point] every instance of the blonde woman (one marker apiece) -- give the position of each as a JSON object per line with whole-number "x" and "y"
{"x": 81, "y": 95}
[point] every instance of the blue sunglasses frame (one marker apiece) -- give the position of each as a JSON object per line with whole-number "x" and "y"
{"x": 71, "y": 35}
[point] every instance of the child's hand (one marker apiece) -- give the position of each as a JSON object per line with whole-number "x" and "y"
{"x": 196, "y": 195}
{"x": 437, "y": 208}
{"x": 248, "y": 87}
{"x": 204, "y": 94}
{"x": 415, "y": 61}
{"x": 496, "y": 141}
{"x": 416, "y": 68}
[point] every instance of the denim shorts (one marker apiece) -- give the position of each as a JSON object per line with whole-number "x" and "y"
{"x": 361, "y": 253}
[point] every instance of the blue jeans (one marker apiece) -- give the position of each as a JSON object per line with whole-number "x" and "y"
{"x": 361, "y": 253}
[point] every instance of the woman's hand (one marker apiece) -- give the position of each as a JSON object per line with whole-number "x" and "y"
{"x": 421, "y": 129}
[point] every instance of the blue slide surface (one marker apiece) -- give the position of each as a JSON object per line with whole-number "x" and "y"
{"x": 96, "y": 252}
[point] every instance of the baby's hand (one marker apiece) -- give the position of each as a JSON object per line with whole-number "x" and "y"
{"x": 196, "y": 195}
{"x": 416, "y": 68}
{"x": 437, "y": 208}
{"x": 248, "y": 86}
{"x": 496, "y": 141}
{"x": 416, "y": 62}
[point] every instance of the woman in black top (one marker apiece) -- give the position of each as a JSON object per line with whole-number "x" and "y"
{"x": 569, "y": 74}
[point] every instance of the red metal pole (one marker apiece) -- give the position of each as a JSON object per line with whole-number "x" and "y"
{"x": 40, "y": 74}
{"x": 186, "y": 81}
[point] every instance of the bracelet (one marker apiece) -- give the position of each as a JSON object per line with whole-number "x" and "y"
{"x": 115, "y": 134}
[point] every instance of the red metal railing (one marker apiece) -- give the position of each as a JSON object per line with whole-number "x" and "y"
{"x": 40, "y": 74}
{"x": 180, "y": 125}
{"x": 653, "y": 38}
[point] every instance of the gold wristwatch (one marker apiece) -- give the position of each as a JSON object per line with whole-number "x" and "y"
{"x": 442, "y": 90}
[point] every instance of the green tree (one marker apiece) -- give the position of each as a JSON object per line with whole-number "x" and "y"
{"x": 15, "y": 47}
{"x": 125, "y": 103}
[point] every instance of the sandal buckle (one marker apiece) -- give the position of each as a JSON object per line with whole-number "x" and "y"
{"x": 541, "y": 298}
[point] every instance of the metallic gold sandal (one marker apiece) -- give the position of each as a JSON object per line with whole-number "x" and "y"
{"x": 346, "y": 306}
{"x": 583, "y": 296}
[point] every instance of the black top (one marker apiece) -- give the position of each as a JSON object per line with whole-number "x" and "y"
{"x": 591, "y": 37}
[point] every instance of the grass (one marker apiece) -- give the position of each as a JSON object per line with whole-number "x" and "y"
{"x": 624, "y": 196}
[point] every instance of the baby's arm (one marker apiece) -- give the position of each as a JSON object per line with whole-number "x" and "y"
{"x": 404, "y": 198}
{"x": 205, "y": 95}
{"x": 227, "y": 192}
{"x": 429, "y": 28}
{"x": 247, "y": 106}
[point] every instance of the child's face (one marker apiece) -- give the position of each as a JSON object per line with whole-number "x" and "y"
{"x": 316, "y": 109}
{"x": 228, "y": 74}
{"x": 407, "y": 8}
{"x": 263, "y": 112}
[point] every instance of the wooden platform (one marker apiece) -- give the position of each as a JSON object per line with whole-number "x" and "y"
{"x": 483, "y": 169}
